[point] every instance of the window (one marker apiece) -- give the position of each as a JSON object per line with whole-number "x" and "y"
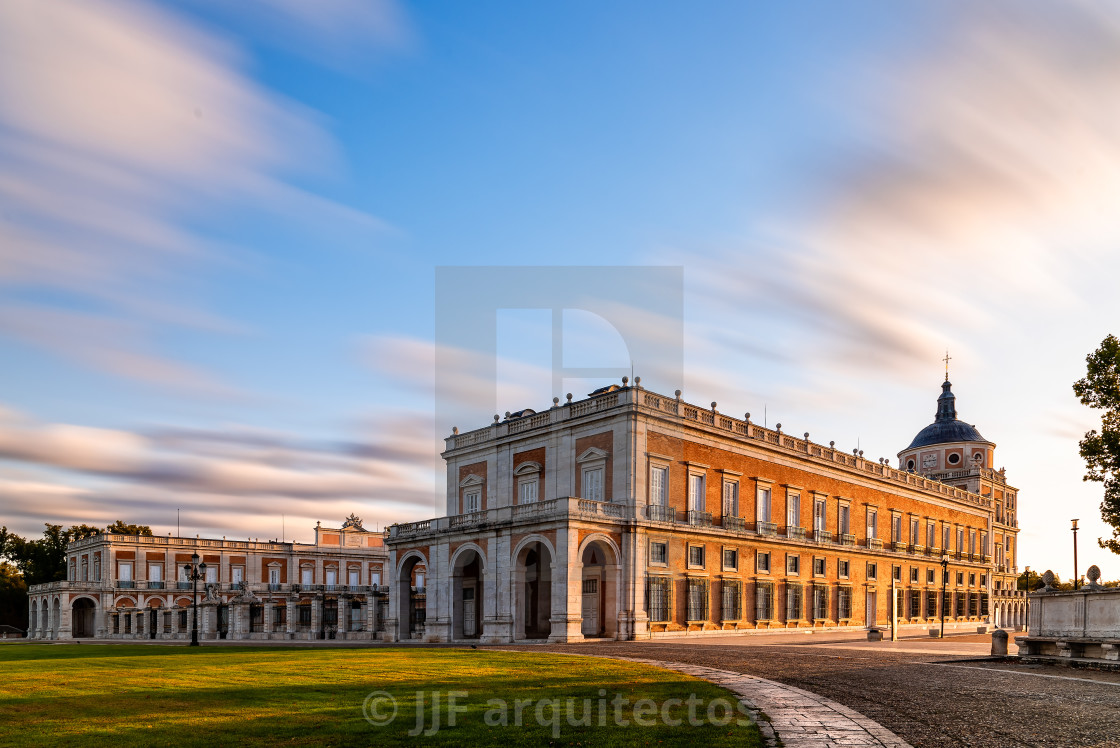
{"x": 304, "y": 616}
{"x": 983, "y": 580}
{"x": 593, "y": 483}
{"x": 375, "y": 578}
{"x": 971, "y": 580}
{"x": 960, "y": 539}
{"x": 306, "y": 575}
{"x": 931, "y": 604}
{"x": 915, "y": 536}
{"x": 697, "y": 600}
{"x": 793, "y": 563}
{"x": 211, "y": 574}
{"x": 913, "y": 574}
{"x": 872, "y": 570}
{"x": 472, "y": 501}
{"x": 274, "y": 576}
{"x": 896, "y": 528}
{"x": 85, "y": 570}
{"x": 793, "y": 509}
{"x": 527, "y": 490}
{"x": 763, "y": 508}
{"x": 872, "y": 523}
{"x": 820, "y": 602}
{"x": 844, "y": 603}
{"x": 731, "y": 602}
{"x": 915, "y": 604}
{"x": 960, "y": 578}
{"x": 659, "y": 592}
{"x": 843, "y": 568}
{"x": 730, "y": 499}
{"x": 818, "y": 567}
{"x": 793, "y": 602}
{"x": 762, "y": 562}
{"x": 659, "y": 485}
{"x": 764, "y": 601}
{"x": 332, "y": 576}
{"x": 97, "y": 568}
{"x": 972, "y": 542}
{"x": 730, "y": 559}
{"x": 931, "y": 535}
{"x": 896, "y": 573}
{"x": 819, "y": 515}
{"x": 696, "y": 492}
{"x": 945, "y": 538}
{"x": 658, "y": 552}
{"x": 155, "y": 572}
{"x": 696, "y": 555}
{"x": 845, "y": 522}
{"x": 237, "y": 574}
{"x": 353, "y": 577}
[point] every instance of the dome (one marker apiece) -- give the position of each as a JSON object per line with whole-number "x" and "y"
{"x": 946, "y": 427}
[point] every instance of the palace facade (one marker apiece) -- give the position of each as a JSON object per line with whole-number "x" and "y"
{"x": 135, "y": 587}
{"x": 635, "y": 515}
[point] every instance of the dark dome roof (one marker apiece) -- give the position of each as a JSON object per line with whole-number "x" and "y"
{"x": 946, "y": 427}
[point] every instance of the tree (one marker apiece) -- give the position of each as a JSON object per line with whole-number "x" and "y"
{"x": 120, "y": 528}
{"x": 1100, "y": 389}
{"x": 13, "y": 597}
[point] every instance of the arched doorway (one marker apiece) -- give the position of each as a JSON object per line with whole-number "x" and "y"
{"x": 532, "y": 585}
{"x": 411, "y": 594}
{"x": 599, "y": 590}
{"x": 153, "y": 618}
{"x": 467, "y": 595}
{"x": 82, "y": 616}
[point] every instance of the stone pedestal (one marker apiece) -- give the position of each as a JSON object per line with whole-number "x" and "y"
{"x": 999, "y": 643}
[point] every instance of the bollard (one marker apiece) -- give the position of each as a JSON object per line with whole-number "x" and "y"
{"x": 874, "y": 635}
{"x": 999, "y": 643}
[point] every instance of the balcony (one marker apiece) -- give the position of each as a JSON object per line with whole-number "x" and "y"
{"x": 275, "y": 587}
{"x": 658, "y": 513}
{"x": 738, "y": 524}
{"x": 898, "y": 547}
{"x": 847, "y": 539}
{"x": 125, "y": 584}
{"x": 875, "y": 543}
{"x": 766, "y": 528}
{"x": 918, "y": 549}
{"x": 822, "y": 536}
{"x": 795, "y": 533}
{"x": 155, "y": 585}
{"x": 698, "y": 518}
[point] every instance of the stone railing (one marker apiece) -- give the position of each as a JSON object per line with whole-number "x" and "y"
{"x": 710, "y": 418}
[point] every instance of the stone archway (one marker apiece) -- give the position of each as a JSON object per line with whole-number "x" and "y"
{"x": 467, "y": 595}
{"x": 412, "y": 602}
{"x": 599, "y": 589}
{"x": 532, "y": 591}
{"x": 83, "y": 614}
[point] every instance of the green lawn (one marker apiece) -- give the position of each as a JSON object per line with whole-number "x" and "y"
{"x": 174, "y": 695}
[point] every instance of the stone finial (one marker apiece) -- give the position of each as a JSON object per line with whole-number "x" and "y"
{"x": 637, "y": 381}
{"x": 747, "y": 416}
{"x": 806, "y": 436}
{"x": 507, "y": 414}
{"x": 1093, "y": 573}
{"x": 1047, "y": 580}
{"x": 569, "y": 398}
{"x": 713, "y": 406}
{"x": 496, "y": 419}
{"x": 454, "y": 430}
{"x": 779, "y": 428}
{"x": 832, "y": 444}
{"x": 678, "y": 394}
{"x": 855, "y": 451}
{"x": 625, "y": 381}
{"x": 555, "y": 402}
{"x": 861, "y": 453}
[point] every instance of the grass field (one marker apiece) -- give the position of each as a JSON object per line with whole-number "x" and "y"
{"x": 154, "y": 695}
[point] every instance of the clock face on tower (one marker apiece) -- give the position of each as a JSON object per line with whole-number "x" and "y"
{"x": 929, "y": 460}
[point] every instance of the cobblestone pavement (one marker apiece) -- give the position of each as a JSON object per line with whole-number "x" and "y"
{"x": 928, "y": 700}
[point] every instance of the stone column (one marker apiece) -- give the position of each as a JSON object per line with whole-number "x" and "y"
{"x": 291, "y": 618}
{"x": 371, "y": 614}
{"x": 266, "y": 622}
{"x": 316, "y": 615}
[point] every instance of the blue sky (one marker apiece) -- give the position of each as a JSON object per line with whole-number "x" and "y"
{"x": 220, "y": 224}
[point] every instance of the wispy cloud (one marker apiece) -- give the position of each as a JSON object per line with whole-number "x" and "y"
{"x": 120, "y": 125}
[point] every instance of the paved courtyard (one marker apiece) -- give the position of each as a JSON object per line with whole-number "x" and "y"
{"x": 925, "y": 691}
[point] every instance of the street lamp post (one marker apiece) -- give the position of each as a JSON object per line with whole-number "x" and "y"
{"x": 1076, "y": 578}
{"x": 194, "y": 572}
{"x": 1027, "y": 596}
{"x": 944, "y": 586}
